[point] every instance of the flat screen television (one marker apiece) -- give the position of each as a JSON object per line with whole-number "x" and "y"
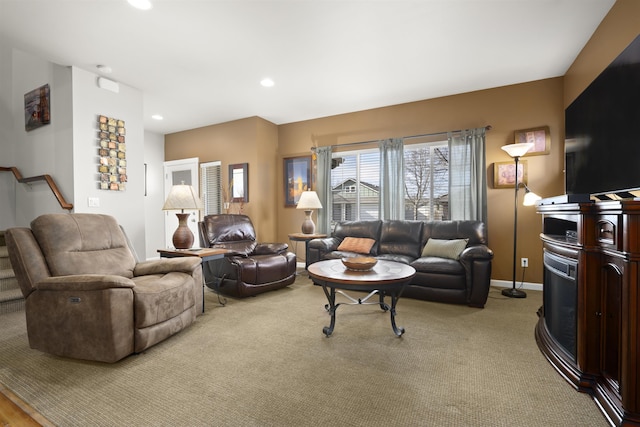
{"x": 602, "y": 127}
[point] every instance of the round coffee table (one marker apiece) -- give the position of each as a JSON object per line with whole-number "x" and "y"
{"x": 385, "y": 278}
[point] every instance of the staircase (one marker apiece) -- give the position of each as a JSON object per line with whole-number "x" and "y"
{"x": 10, "y": 295}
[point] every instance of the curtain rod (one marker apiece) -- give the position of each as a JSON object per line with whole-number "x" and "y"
{"x": 488, "y": 127}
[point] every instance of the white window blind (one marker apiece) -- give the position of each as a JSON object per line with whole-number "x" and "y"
{"x": 211, "y": 187}
{"x": 355, "y": 186}
{"x": 355, "y": 183}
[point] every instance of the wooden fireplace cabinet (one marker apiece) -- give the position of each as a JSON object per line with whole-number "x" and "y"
{"x": 595, "y": 348}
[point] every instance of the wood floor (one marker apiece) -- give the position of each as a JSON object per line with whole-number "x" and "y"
{"x": 14, "y": 412}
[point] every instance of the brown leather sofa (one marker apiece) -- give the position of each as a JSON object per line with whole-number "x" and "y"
{"x": 87, "y": 296}
{"x": 251, "y": 267}
{"x": 464, "y": 279}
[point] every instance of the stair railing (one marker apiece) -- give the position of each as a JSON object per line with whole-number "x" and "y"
{"x": 47, "y": 178}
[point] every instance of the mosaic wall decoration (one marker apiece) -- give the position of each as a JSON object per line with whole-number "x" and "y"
{"x": 112, "y": 166}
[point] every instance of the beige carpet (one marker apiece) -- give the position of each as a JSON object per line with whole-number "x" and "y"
{"x": 264, "y": 361}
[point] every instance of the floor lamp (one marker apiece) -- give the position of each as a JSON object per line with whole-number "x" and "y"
{"x": 516, "y": 151}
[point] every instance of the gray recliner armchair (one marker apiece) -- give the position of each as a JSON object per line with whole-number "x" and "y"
{"x": 88, "y": 297}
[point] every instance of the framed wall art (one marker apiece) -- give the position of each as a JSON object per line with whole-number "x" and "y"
{"x": 538, "y": 136}
{"x": 297, "y": 178}
{"x": 504, "y": 174}
{"x": 239, "y": 183}
{"x": 37, "y": 108}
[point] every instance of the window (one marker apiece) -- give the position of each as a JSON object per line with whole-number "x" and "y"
{"x": 211, "y": 187}
{"x": 355, "y": 182}
{"x": 426, "y": 181}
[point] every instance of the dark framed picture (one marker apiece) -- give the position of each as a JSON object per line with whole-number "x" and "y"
{"x": 538, "y": 136}
{"x": 37, "y": 108}
{"x": 504, "y": 175}
{"x": 297, "y": 178}
{"x": 239, "y": 179}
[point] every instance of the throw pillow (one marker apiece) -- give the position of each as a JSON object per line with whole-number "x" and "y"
{"x": 445, "y": 248}
{"x": 361, "y": 245}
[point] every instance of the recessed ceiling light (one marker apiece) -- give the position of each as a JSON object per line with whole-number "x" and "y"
{"x": 267, "y": 82}
{"x": 140, "y": 4}
{"x": 157, "y": 117}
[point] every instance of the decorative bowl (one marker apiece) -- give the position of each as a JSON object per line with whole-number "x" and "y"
{"x": 360, "y": 263}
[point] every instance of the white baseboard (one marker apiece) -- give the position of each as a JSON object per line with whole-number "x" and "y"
{"x": 509, "y": 284}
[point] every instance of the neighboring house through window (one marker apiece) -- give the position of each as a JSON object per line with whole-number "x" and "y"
{"x": 355, "y": 182}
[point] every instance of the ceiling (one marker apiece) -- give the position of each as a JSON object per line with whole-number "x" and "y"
{"x": 200, "y": 62}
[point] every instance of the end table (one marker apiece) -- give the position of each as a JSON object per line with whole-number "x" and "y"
{"x": 301, "y": 237}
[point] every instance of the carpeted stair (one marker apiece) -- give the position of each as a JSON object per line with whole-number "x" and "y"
{"x": 10, "y": 295}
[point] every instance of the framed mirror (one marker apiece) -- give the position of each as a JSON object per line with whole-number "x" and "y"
{"x": 239, "y": 178}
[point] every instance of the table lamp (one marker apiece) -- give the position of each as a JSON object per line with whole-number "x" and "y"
{"x": 308, "y": 201}
{"x": 182, "y": 197}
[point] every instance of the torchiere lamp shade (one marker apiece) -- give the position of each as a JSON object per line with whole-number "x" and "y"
{"x": 517, "y": 150}
{"x": 182, "y": 197}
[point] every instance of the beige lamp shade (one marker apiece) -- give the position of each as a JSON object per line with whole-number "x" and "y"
{"x": 182, "y": 197}
{"x": 308, "y": 201}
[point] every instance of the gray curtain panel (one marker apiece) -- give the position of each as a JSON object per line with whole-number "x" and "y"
{"x": 323, "y": 188}
{"x": 391, "y": 179}
{"x": 467, "y": 175}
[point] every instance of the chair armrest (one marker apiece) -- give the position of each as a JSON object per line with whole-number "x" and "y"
{"x": 184, "y": 264}
{"x": 270, "y": 248}
{"x": 84, "y": 282}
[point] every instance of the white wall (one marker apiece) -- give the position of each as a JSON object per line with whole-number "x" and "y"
{"x": 7, "y": 182}
{"x": 45, "y": 150}
{"x": 154, "y": 216}
{"x": 89, "y": 102}
{"x": 67, "y": 148}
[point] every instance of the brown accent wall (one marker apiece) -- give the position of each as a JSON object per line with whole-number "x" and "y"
{"x": 252, "y": 140}
{"x": 264, "y": 145}
{"x": 506, "y": 109}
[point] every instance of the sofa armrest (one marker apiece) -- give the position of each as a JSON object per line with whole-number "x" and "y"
{"x": 84, "y": 282}
{"x": 318, "y": 248}
{"x": 327, "y": 244}
{"x": 185, "y": 264}
{"x": 476, "y": 261}
{"x": 476, "y": 252}
{"x": 270, "y": 248}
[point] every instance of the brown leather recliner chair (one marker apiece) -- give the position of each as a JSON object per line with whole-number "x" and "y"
{"x": 252, "y": 267}
{"x": 87, "y": 296}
